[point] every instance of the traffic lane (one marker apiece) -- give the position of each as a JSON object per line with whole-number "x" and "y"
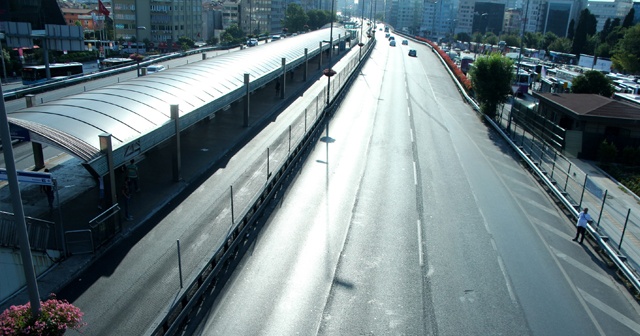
{"x": 468, "y": 291}
{"x": 378, "y": 284}
{"x": 555, "y": 295}
{"x": 281, "y": 286}
{"x": 452, "y": 180}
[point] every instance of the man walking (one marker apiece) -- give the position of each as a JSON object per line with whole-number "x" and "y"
{"x": 126, "y": 199}
{"x": 581, "y": 226}
{"x": 132, "y": 175}
{"x": 48, "y": 190}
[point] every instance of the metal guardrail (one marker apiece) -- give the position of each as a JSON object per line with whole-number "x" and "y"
{"x": 601, "y": 240}
{"x": 39, "y": 232}
{"x": 211, "y": 278}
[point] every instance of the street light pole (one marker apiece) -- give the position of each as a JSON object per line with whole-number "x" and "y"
{"x": 329, "y": 71}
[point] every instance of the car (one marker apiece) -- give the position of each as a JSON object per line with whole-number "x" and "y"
{"x": 413, "y": 53}
{"x": 392, "y": 43}
{"x": 252, "y": 42}
{"x": 155, "y": 68}
{"x": 405, "y": 42}
{"x": 275, "y": 37}
{"x": 386, "y": 35}
{"x": 392, "y": 38}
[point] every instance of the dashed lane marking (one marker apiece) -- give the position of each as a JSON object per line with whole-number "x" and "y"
{"x": 606, "y": 280}
{"x": 629, "y": 323}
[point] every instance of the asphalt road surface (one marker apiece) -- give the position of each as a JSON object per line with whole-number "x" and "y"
{"x": 415, "y": 218}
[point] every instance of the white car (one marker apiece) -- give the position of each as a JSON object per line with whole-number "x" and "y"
{"x": 155, "y": 68}
{"x": 252, "y": 42}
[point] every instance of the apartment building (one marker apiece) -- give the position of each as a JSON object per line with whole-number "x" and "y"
{"x": 160, "y": 21}
{"x": 608, "y": 9}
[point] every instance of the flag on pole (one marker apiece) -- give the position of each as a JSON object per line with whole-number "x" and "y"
{"x": 102, "y": 9}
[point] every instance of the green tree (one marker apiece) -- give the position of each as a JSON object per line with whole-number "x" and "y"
{"x": 562, "y": 44}
{"x": 628, "y": 20}
{"x": 626, "y": 55}
{"x": 607, "y": 152}
{"x": 213, "y": 40}
{"x": 586, "y": 26}
{"x": 605, "y": 30}
{"x": 183, "y": 40}
{"x": 295, "y": 18}
{"x": 532, "y": 40}
{"x": 477, "y": 37}
{"x": 491, "y": 78}
{"x": 592, "y": 81}
{"x": 232, "y": 35}
{"x": 547, "y": 40}
{"x": 463, "y": 37}
{"x": 572, "y": 29}
{"x": 512, "y": 40}
{"x": 491, "y": 38}
{"x": 616, "y": 34}
{"x": 318, "y": 18}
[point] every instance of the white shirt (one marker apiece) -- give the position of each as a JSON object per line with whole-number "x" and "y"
{"x": 583, "y": 218}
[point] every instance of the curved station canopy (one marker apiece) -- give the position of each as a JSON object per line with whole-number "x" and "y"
{"x": 136, "y": 113}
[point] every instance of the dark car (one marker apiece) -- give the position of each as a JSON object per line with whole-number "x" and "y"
{"x": 413, "y": 53}
{"x": 405, "y": 42}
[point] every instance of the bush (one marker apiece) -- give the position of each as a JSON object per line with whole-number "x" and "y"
{"x": 629, "y": 155}
{"x": 462, "y": 78}
{"x": 607, "y": 152}
{"x": 56, "y": 317}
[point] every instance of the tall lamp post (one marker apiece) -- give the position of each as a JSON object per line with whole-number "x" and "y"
{"x": 329, "y": 72}
{"x": 524, "y": 26}
{"x": 138, "y": 57}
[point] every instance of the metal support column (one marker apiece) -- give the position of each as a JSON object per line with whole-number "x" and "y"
{"x": 247, "y": 100}
{"x": 107, "y": 149}
{"x": 175, "y": 116}
{"x": 320, "y": 55}
{"x": 284, "y": 77}
{"x": 38, "y": 154}
{"x": 306, "y": 63}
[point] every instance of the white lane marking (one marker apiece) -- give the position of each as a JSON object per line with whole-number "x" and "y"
{"x": 411, "y": 134}
{"x": 584, "y": 268}
{"x": 430, "y": 271}
{"x": 631, "y": 324}
{"x": 415, "y": 174}
{"x": 539, "y": 207}
{"x": 420, "y": 246}
{"x": 408, "y": 111}
{"x": 506, "y": 280}
{"x": 552, "y": 229}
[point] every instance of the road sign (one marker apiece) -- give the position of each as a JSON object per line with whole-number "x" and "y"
{"x": 29, "y": 177}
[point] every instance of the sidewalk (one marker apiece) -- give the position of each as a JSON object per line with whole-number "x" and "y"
{"x": 205, "y": 147}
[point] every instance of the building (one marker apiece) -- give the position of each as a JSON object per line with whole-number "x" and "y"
{"x": 161, "y": 22}
{"x": 558, "y": 16}
{"x": 534, "y": 15}
{"x": 37, "y": 12}
{"x": 488, "y": 17}
{"x": 89, "y": 19}
{"x": 608, "y": 9}
{"x": 512, "y": 21}
{"x": 584, "y": 121}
